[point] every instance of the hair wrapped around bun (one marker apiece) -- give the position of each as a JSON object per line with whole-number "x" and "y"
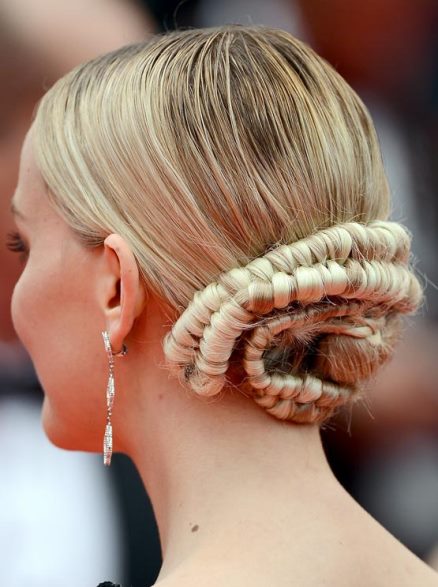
{"x": 309, "y": 320}
{"x": 237, "y": 151}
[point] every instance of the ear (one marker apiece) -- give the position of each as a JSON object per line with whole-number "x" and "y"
{"x": 122, "y": 295}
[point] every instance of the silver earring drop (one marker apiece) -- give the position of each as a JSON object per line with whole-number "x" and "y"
{"x": 110, "y": 395}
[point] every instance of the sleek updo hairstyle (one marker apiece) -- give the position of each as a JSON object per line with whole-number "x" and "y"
{"x": 247, "y": 178}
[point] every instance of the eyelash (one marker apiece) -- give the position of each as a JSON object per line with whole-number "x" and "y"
{"x": 16, "y": 245}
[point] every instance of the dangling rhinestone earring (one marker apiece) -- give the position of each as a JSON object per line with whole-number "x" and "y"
{"x": 110, "y": 394}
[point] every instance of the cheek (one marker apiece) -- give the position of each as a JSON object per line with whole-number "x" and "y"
{"x": 35, "y": 308}
{"x": 22, "y": 310}
{"x": 60, "y": 326}
{"x": 38, "y": 322}
{"x": 50, "y": 311}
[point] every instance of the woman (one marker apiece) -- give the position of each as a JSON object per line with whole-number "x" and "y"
{"x": 210, "y": 275}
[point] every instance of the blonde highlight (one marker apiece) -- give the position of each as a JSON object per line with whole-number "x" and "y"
{"x": 264, "y": 166}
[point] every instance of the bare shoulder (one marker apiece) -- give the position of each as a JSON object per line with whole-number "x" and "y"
{"x": 374, "y": 557}
{"x": 342, "y": 548}
{"x": 399, "y": 571}
{"x": 386, "y": 569}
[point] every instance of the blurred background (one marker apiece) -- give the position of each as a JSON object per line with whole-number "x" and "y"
{"x": 64, "y": 519}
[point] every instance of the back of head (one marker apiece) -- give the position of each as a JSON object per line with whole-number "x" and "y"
{"x": 246, "y": 175}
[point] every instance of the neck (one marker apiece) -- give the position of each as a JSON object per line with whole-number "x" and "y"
{"x": 215, "y": 469}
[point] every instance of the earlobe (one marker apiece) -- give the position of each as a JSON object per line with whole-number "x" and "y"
{"x": 125, "y": 301}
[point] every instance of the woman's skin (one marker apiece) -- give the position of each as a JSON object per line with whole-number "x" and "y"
{"x": 240, "y": 497}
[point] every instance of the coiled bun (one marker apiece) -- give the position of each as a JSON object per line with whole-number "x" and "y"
{"x": 307, "y": 322}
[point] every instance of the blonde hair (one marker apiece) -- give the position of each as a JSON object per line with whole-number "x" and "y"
{"x": 246, "y": 175}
